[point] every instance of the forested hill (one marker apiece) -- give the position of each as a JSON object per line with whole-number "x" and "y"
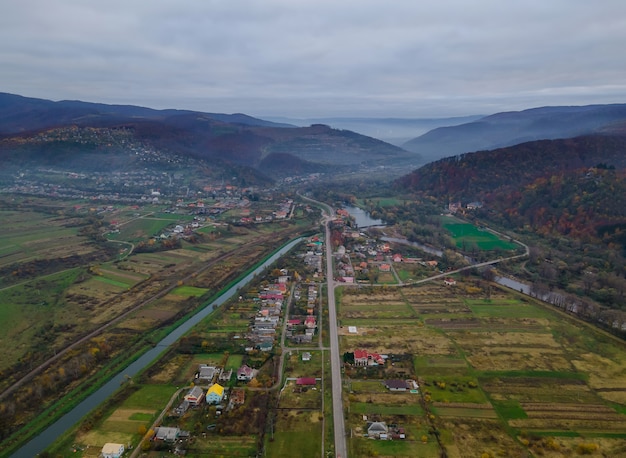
{"x": 571, "y": 187}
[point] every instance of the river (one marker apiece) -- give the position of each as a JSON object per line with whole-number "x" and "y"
{"x": 48, "y": 436}
{"x": 362, "y": 218}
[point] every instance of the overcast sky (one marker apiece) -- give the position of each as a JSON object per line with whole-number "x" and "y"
{"x": 315, "y": 58}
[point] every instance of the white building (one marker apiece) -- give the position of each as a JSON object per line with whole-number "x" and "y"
{"x": 110, "y": 450}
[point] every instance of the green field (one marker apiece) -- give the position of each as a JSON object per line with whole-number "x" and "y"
{"x": 467, "y": 236}
{"x": 189, "y": 291}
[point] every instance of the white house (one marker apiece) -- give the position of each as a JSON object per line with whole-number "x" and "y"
{"x": 110, "y": 450}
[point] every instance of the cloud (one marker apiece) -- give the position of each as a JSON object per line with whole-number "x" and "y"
{"x": 302, "y": 58}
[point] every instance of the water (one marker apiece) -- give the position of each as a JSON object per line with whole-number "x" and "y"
{"x": 421, "y": 246}
{"x": 48, "y": 436}
{"x": 513, "y": 284}
{"x": 362, "y": 218}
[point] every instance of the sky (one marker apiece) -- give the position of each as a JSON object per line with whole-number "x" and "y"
{"x": 317, "y": 58}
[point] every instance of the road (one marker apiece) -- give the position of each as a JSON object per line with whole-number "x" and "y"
{"x": 341, "y": 449}
{"x": 335, "y": 356}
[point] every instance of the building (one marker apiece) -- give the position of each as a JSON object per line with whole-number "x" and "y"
{"x": 245, "y": 373}
{"x": 237, "y": 397}
{"x": 225, "y": 375}
{"x": 377, "y": 430}
{"x": 306, "y": 381}
{"x": 207, "y": 372}
{"x": 396, "y": 385}
{"x": 111, "y": 450}
{"x": 310, "y": 322}
{"x": 194, "y": 396}
{"x": 364, "y": 358}
{"x": 166, "y": 434}
{"x": 215, "y": 394}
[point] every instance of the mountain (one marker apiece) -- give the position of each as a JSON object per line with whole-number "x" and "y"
{"x": 232, "y": 138}
{"x": 396, "y": 131}
{"x": 511, "y": 128}
{"x": 23, "y": 114}
{"x": 574, "y": 187}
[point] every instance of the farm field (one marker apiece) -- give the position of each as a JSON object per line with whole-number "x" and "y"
{"x": 60, "y": 280}
{"x": 497, "y": 375}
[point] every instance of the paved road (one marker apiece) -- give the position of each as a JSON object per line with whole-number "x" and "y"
{"x": 335, "y": 356}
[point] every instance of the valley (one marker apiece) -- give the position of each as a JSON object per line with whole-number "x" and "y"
{"x": 131, "y": 244}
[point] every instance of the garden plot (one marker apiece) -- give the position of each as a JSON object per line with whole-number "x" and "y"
{"x": 296, "y": 432}
{"x": 400, "y": 339}
{"x": 464, "y": 437}
{"x": 490, "y": 370}
{"x": 606, "y": 376}
{"x": 522, "y": 351}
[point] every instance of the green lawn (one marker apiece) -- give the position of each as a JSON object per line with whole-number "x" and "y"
{"x": 149, "y": 397}
{"x": 234, "y": 362}
{"x": 467, "y": 235}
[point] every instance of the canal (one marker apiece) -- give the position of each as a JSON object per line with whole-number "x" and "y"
{"x": 48, "y": 436}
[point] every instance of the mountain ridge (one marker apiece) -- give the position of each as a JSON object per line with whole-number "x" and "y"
{"x": 514, "y": 127}
{"x": 237, "y": 138}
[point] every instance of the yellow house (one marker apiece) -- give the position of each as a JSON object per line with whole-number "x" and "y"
{"x": 215, "y": 394}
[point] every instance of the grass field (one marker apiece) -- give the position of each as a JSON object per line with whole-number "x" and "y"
{"x": 189, "y": 291}
{"x": 467, "y": 236}
{"x": 295, "y": 430}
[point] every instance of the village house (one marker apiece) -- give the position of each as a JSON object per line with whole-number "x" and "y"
{"x": 207, "y": 373}
{"x": 306, "y": 381}
{"x": 194, "y": 396}
{"x": 306, "y": 356}
{"x": 166, "y": 434}
{"x": 397, "y": 257}
{"x": 245, "y": 373}
{"x": 182, "y": 408}
{"x": 293, "y": 322}
{"x": 310, "y": 322}
{"x": 377, "y": 430}
{"x": 111, "y": 450}
{"x": 215, "y": 394}
{"x": 225, "y": 375}
{"x": 362, "y": 358}
{"x": 396, "y": 385}
{"x": 449, "y": 281}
